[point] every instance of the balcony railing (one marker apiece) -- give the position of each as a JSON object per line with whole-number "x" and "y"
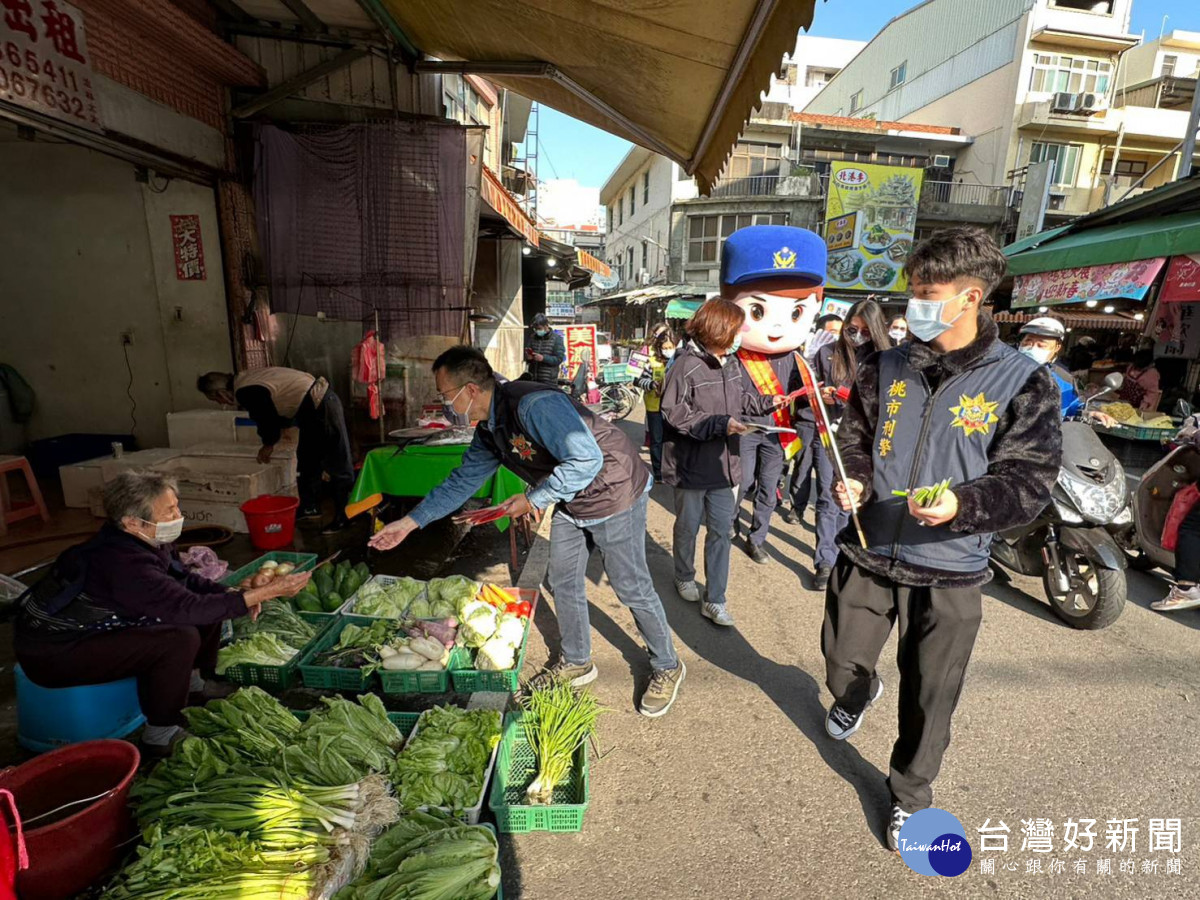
{"x": 769, "y": 186}
{"x": 964, "y": 194}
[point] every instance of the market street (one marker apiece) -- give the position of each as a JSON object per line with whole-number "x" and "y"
{"x": 739, "y": 792}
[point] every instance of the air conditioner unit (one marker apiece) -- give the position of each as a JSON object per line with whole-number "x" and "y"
{"x": 941, "y": 161}
{"x": 1090, "y": 103}
{"x": 643, "y": 277}
{"x": 1063, "y": 102}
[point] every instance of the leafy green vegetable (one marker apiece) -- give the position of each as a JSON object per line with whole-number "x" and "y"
{"x": 343, "y": 742}
{"x": 250, "y": 720}
{"x": 557, "y": 721}
{"x": 444, "y": 763}
{"x": 258, "y": 649}
{"x": 277, "y": 618}
{"x": 390, "y": 600}
{"x": 456, "y": 590}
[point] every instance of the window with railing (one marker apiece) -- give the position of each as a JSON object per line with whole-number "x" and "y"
{"x": 1054, "y": 72}
{"x": 899, "y": 74}
{"x": 706, "y": 234}
{"x": 1064, "y": 156}
{"x": 856, "y": 102}
{"x": 1134, "y": 168}
{"x": 1168, "y": 65}
{"x": 646, "y": 188}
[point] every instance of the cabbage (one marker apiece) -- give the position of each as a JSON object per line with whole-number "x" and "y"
{"x": 473, "y": 607}
{"x": 419, "y": 609}
{"x": 479, "y": 627}
{"x": 511, "y": 629}
{"x": 496, "y": 655}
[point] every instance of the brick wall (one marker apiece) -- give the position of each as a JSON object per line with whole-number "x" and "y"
{"x": 160, "y": 51}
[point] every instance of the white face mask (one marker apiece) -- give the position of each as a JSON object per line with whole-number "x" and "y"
{"x": 925, "y": 317}
{"x": 166, "y": 532}
{"x": 668, "y": 352}
{"x": 1040, "y": 355}
{"x": 898, "y": 334}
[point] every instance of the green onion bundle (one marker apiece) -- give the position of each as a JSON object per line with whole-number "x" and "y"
{"x": 557, "y": 720}
{"x": 926, "y": 496}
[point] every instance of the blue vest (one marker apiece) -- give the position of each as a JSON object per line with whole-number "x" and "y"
{"x": 923, "y": 438}
{"x": 1072, "y": 403}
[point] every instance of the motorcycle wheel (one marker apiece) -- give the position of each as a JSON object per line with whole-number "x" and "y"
{"x": 1095, "y": 596}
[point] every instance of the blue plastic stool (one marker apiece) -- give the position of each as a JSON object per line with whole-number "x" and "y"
{"x": 49, "y": 718}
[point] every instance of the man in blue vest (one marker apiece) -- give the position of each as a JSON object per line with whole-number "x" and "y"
{"x": 591, "y": 472}
{"x": 956, "y": 403}
{"x": 1042, "y": 340}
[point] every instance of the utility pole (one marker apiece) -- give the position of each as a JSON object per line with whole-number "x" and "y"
{"x": 1189, "y": 137}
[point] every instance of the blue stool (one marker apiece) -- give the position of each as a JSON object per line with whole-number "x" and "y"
{"x": 49, "y": 718}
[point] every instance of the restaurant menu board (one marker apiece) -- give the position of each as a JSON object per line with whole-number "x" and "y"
{"x": 869, "y": 222}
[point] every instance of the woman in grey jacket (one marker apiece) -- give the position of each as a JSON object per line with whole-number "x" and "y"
{"x": 701, "y": 400}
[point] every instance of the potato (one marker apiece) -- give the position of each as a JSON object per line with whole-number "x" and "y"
{"x": 269, "y": 564}
{"x": 262, "y": 579}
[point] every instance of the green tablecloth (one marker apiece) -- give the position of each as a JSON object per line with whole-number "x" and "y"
{"x": 415, "y": 470}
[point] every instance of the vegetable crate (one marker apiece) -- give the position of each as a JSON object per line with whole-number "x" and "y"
{"x": 302, "y": 561}
{"x": 467, "y": 679}
{"x": 404, "y": 721}
{"x": 278, "y": 678}
{"x": 471, "y": 814}
{"x": 333, "y": 677}
{"x": 400, "y": 682}
{"x": 516, "y": 768}
{"x": 615, "y": 373}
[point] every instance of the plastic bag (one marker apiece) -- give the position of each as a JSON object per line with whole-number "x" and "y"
{"x": 204, "y": 562}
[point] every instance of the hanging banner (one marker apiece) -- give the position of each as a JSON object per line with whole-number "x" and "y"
{"x": 189, "y": 249}
{"x": 579, "y": 339}
{"x": 869, "y": 222}
{"x": 1176, "y": 331}
{"x": 44, "y": 62}
{"x": 1182, "y": 284}
{"x": 1128, "y": 281}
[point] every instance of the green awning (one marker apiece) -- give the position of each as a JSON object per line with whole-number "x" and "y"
{"x": 1144, "y": 239}
{"x": 682, "y": 309}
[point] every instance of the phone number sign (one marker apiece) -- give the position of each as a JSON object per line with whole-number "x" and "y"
{"x": 44, "y": 63}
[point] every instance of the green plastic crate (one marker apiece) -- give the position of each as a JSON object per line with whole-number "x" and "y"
{"x": 398, "y": 682}
{"x": 332, "y": 677}
{"x": 516, "y": 768}
{"x": 279, "y": 678}
{"x": 302, "y": 561}
{"x": 467, "y": 679}
{"x": 615, "y": 373}
{"x": 404, "y": 721}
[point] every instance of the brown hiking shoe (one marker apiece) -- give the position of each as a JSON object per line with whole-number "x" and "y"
{"x": 661, "y": 693}
{"x": 576, "y": 676}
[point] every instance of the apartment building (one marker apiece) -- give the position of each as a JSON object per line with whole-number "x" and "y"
{"x": 1031, "y": 80}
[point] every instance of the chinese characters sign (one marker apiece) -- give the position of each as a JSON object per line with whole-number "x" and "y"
{"x": 1099, "y": 847}
{"x": 1130, "y": 280}
{"x": 1176, "y": 330}
{"x": 1182, "y": 284}
{"x": 579, "y": 339}
{"x": 44, "y": 64}
{"x": 189, "y": 250}
{"x": 870, "y": 218}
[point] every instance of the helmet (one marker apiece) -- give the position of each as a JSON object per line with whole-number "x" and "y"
{"x": 1045, "y": 326}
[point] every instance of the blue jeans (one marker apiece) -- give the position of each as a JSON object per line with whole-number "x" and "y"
{"x": 654, "y": 424}
{"x": 621, "y": 540}
{"x": 831, "y": 518}
{"x": 715, "y": 507}
{"x": 762, "y": 466}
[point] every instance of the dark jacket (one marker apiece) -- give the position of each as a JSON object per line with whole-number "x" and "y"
{"x": 784, "y": 366}
{"x": 116, "y": 580}
{"x": 554, "y": 351}
{"x": 699, "y": 398}
{"x": 1024, "y": 451}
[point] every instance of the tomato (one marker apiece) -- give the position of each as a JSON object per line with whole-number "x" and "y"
{"x": 513, "y": 609}
{"x": 525, "y": 609}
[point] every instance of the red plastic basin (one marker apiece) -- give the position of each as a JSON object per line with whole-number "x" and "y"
{"x": 70, "y": 851}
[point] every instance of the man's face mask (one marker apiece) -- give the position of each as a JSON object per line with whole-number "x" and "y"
{"x": 925, "y": 317}
{"x": 541, "y": 332}
{"x": 1040, "y": 355}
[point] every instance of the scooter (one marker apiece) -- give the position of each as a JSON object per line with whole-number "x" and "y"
{"x": 1156, "y": 491}
{"x": 1072, "y": 545}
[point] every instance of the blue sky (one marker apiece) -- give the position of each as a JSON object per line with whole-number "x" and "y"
{"x": 573, "y": 149}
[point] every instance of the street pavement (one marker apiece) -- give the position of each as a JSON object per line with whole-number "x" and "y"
{"x": 738, "y": 793}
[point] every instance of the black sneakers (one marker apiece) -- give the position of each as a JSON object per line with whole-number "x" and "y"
{"x": 895, "y": 823}
{"x": 757, "y": 553}
{"x": 840, "y": 723}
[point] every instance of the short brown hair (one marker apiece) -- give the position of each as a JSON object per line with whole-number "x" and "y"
{"x": 716, "y": 323}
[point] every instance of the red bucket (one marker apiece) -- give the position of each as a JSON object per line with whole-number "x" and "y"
{"x": 72, "y": 848}
{"x": 271, "y": 520}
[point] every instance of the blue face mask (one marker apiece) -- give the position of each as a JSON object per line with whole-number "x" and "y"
{"x": 925, "y": 317}
{"x": 737, "y": 343}
{"x": 541, "y": 333}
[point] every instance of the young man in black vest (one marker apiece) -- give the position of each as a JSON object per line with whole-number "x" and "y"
{"x": 544, "y": 351}
{"x": 955, "y": 403}
{"x": 598, "y": 484}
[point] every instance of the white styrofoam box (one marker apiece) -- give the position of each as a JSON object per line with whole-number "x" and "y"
{"x": 140, "y": 459}
{"x": 198, "y": 426}
{"x": 282, "y": 456}
{"x": 78, "y": 478}
{"x": 216, "y": 479}
{"x": 203, "y": 512}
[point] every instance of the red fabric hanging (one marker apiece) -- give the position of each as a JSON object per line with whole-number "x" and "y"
{"x": 370, "y": 366}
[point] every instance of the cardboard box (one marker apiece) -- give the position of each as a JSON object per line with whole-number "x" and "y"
{"x": 79, "y": 478}
{"x": 215, "y": 479}
{"x": 283, "y": 456}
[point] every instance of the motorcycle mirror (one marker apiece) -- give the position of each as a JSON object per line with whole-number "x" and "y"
{"x": 1183, "y": 409}
{"x": 1114, "y": 380}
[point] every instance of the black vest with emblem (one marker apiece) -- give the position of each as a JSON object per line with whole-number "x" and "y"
{"x": 623, "y": 476}
{"x": 923, "y": 438}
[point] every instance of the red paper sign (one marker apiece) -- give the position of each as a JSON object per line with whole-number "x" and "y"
{"x": 1182, "y": 284}
{"x": 579, "y": 339}
{"x": 189, "y": 250}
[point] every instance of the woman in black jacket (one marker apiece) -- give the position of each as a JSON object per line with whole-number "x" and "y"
{"x": 836, "y": 364}
{"x": 121, "y": 605}
{"x": 701, "y": 400}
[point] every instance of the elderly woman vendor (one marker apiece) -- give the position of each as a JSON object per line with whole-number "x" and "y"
{"x": 122, "y": 605}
